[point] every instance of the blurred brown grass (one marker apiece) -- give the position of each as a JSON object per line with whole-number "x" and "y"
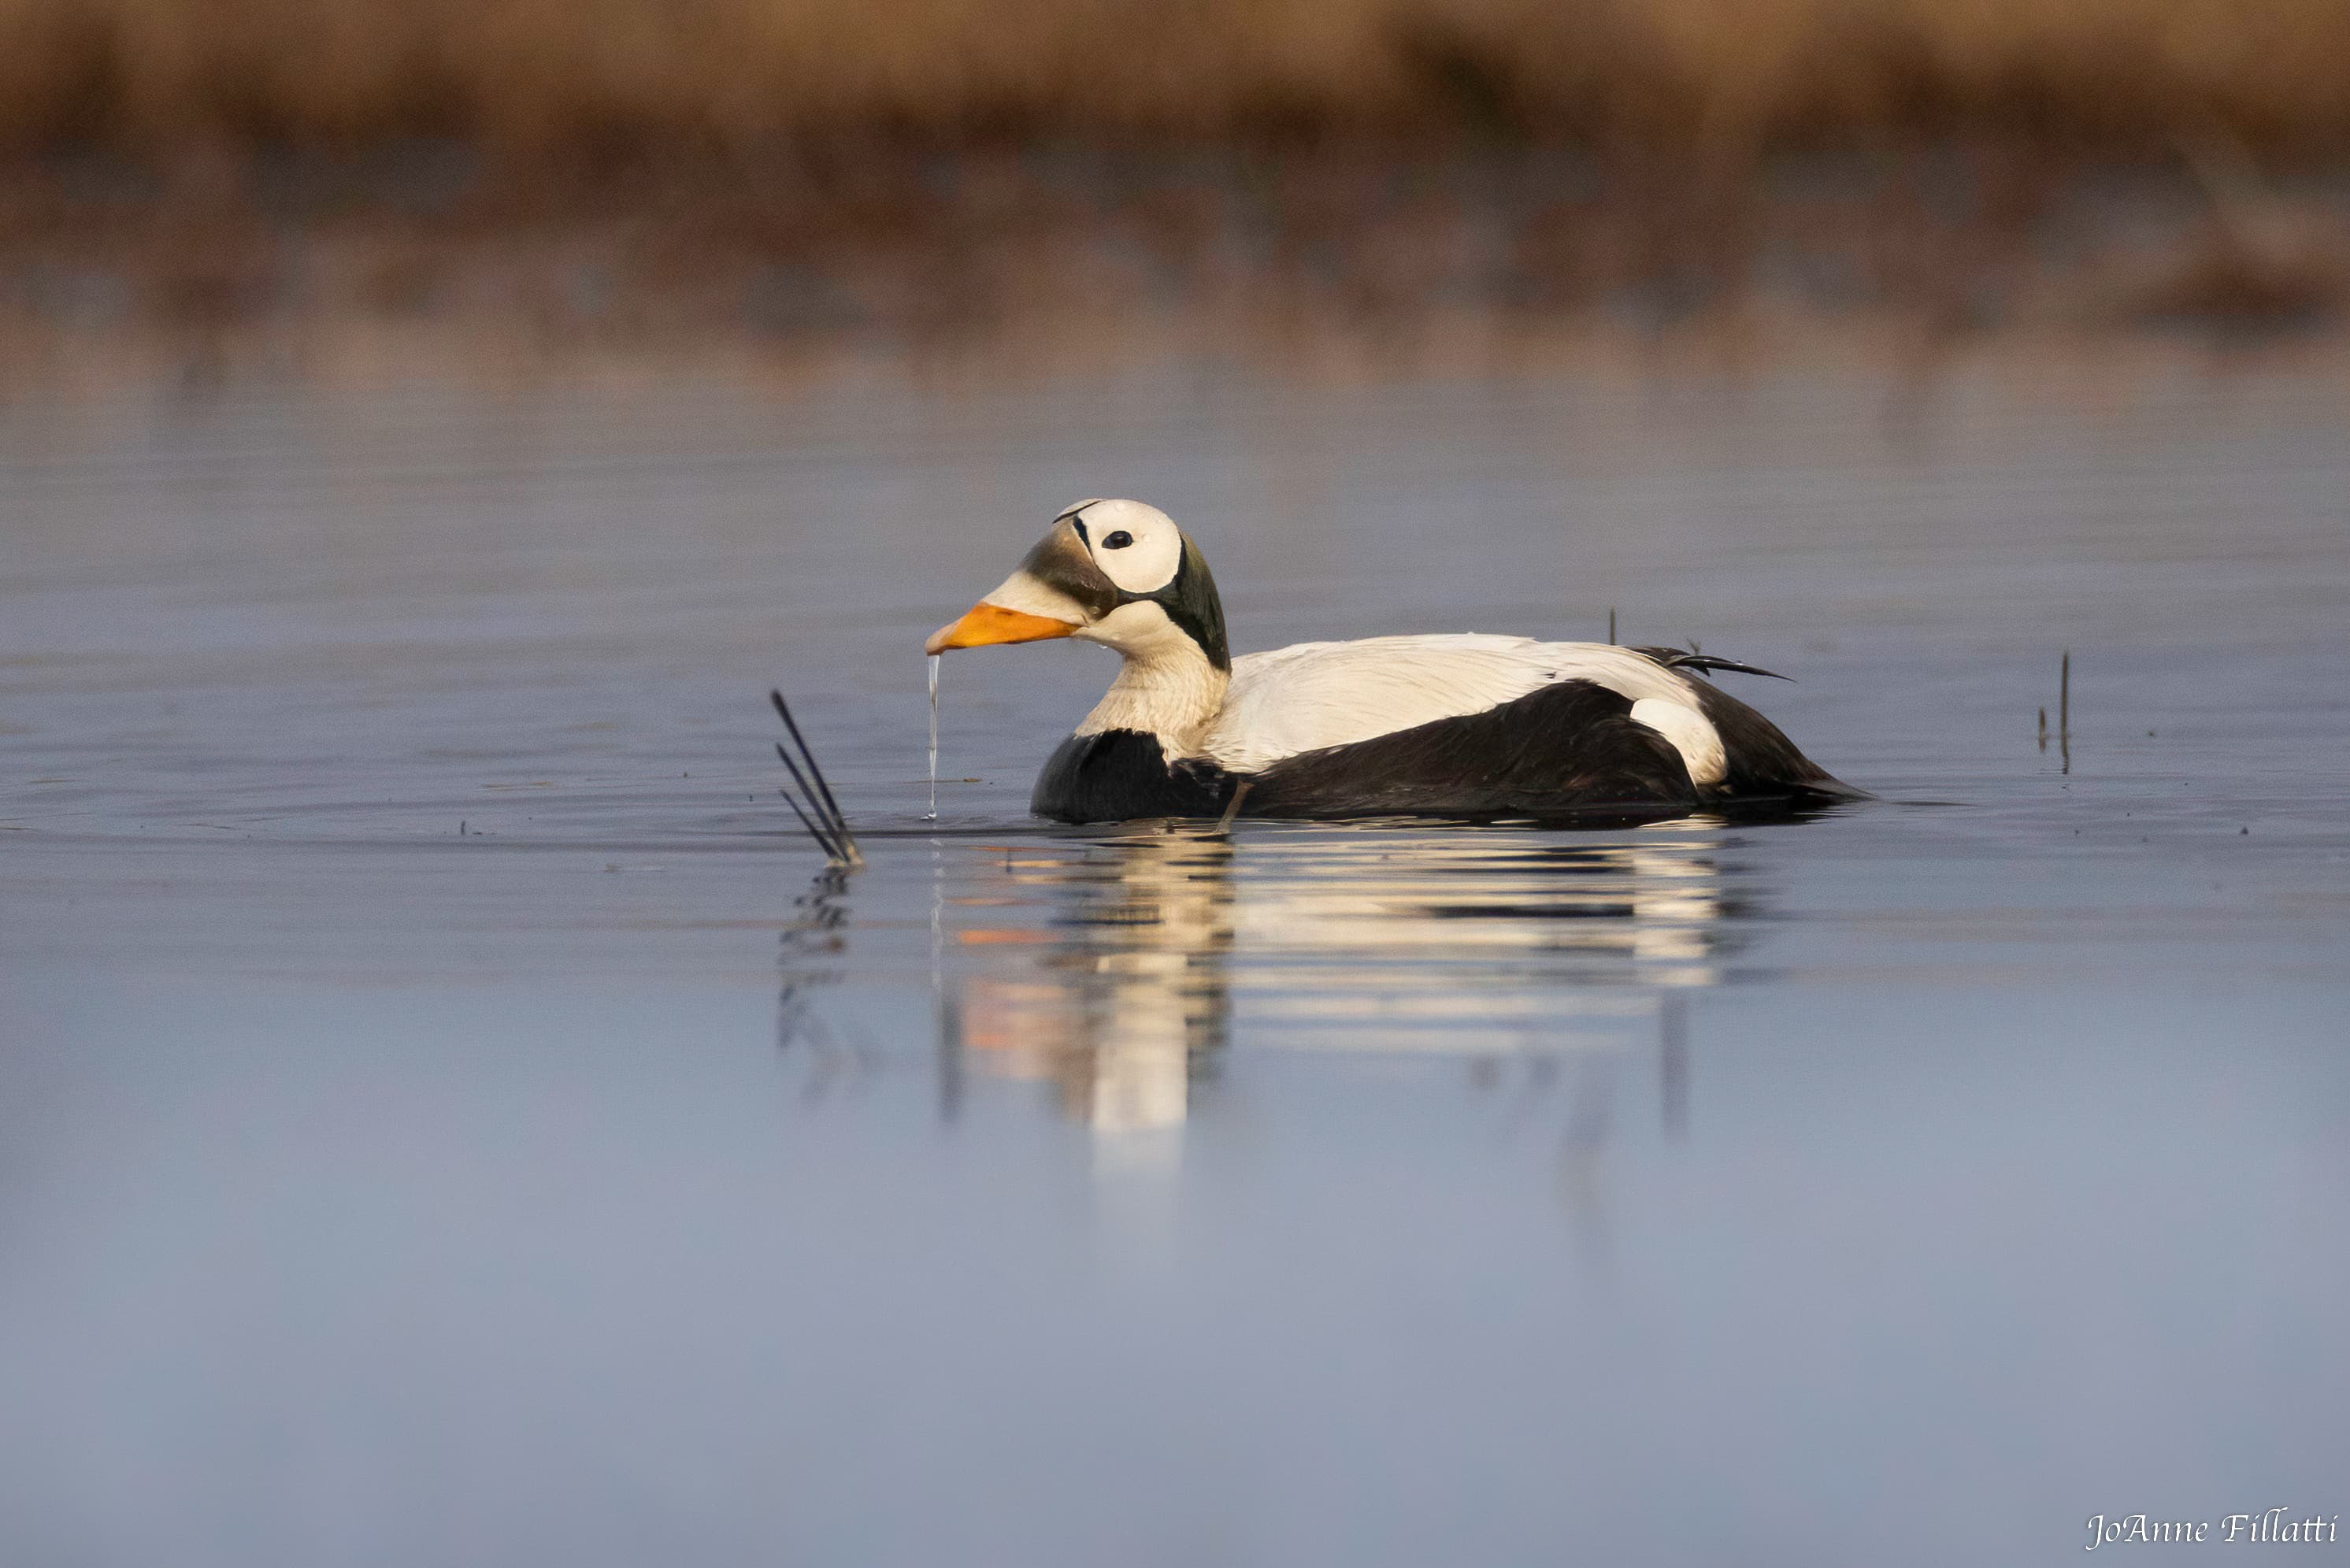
{"x": 534, "y": 76}
{"x": 918, "y": 173}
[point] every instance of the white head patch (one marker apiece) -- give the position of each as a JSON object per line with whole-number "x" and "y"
{"x": 1137, "y": 547}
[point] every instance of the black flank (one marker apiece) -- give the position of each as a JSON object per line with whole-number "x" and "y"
{"x": 1563, "y": 750}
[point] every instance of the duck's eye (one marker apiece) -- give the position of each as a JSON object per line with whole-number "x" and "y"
{"x": 1118, "y": 541}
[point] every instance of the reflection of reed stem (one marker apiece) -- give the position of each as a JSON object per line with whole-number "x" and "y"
{"x": 816, "y": 932}
{"x": 1673, "y": 1069}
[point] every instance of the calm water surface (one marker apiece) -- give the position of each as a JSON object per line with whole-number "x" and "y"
{"x": 446, "y": 1117}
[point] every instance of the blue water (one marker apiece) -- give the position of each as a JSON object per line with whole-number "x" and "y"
{"x": 448, "y": 1115}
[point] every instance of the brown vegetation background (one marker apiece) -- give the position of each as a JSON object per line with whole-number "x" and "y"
{"x": 793, "y": 171}
{"x": 535, "y": 74}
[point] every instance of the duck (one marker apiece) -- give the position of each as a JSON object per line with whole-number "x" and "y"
{"x": 1467, "y": 726}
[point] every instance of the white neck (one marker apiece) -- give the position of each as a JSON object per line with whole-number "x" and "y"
{"x": 1166, "y": 688}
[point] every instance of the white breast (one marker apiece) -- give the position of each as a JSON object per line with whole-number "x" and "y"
{"x": 1318, "y": 694}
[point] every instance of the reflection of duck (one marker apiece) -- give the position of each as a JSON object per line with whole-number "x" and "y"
{"x": 1124, "y": 1007}
{"x": 1465, "y": 726}
{"x": 1142, "y": 954}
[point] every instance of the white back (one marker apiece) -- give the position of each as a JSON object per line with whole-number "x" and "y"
{"x": 1318, "y": 694}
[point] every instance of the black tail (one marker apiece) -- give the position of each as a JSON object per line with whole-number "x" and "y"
{"x": 813, "y": 805}
{"x": 1703, "y": 663}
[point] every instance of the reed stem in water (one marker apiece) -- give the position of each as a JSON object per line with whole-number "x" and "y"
{"x": 2065, "y": 711}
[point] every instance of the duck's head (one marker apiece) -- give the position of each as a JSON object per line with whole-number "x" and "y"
{"x": 1113, "y": 572}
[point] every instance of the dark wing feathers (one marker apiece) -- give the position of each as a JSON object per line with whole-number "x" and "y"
{"x": 1568, "y": 748}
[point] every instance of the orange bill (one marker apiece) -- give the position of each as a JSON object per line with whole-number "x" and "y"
{"x": 988, "y": 623}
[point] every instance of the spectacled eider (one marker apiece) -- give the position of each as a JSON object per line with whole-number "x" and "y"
{"x": 1465, "y": 726}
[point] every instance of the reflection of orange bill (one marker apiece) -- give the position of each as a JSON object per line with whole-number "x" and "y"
{"x": 1017, "y": 1029}
{"x": 1001, "y": 938}
{"x": 985, "y": 624}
